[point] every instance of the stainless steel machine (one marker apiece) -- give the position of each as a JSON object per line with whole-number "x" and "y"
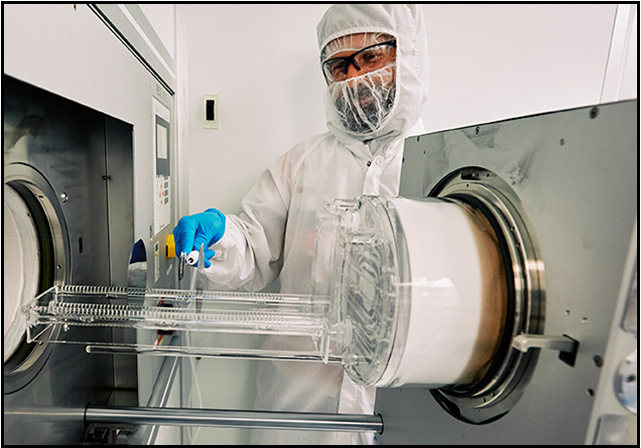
{"x": 561, "y": 190}
{"x": 89, "y": 168}
{"x": 72, "y": 167}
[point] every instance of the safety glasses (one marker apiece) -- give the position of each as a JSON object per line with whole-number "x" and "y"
{"x": 367, "y": 60}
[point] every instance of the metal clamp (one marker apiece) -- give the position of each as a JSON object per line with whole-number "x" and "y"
{"x": 567, "y": 346}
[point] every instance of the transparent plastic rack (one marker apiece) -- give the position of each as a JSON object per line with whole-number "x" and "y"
{"x": 207, "y": 318}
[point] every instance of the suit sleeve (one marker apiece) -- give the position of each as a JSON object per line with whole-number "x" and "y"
{"x": 250, "y": 254}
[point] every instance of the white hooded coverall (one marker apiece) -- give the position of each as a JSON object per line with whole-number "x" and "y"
{"x": 274, "y": 236}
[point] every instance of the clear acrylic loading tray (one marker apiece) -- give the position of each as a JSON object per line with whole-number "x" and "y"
{"x": 208, "y": 323}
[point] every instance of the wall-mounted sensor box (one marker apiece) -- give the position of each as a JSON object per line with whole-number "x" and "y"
{"x": 210, "y": 111}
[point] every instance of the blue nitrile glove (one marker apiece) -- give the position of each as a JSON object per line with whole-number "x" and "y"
{"x": 207, "y": 227}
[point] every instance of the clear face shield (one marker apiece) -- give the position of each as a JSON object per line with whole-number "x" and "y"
{"x": 360, "y": 70}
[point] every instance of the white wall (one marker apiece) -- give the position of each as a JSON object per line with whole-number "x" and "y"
{"x": 262, "y": 62}
{"x": 491, "y": 62}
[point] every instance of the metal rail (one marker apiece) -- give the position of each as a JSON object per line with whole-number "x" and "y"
{"x": 230, "y": 418}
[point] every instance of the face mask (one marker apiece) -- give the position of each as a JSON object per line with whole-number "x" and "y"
{"x": 364, "y": 102}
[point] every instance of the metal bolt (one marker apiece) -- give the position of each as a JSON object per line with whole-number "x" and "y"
{"x": 598, "y": 361}
{"x": 594, "y": 112}
{"x": 64, "y": 197}
{"x": 478, "y": 129}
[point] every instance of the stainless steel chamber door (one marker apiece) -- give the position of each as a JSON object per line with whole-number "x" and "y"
{"x": 573, "y": 178}
{"x": 73, "y": 168}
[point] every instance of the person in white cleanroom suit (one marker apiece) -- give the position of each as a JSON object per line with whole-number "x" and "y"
{"x": 374, "y": 100}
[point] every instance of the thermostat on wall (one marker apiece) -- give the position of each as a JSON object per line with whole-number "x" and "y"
{"x": 210, "y": 111}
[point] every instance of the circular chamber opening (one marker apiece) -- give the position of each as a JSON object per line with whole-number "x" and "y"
{"x": 432, "y": 291}
{"x": 35, "y": 254}
{"x": 510, "y": 371}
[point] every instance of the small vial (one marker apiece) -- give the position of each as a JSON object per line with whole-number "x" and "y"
{"x": 192, "y": 257}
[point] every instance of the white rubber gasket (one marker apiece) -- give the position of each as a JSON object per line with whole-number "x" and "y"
{"x": 21, "y": 267}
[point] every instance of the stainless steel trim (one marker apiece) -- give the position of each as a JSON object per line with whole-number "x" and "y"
{"x": 500, "y": 394}
{"x": 115, "y": 20}
{"x": 27, "y": 181}
{"x": 229, "y": 418}
{"x": 145, "y": 434}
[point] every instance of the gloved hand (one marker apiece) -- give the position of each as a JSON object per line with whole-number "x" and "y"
{"x": 207, "y": 227}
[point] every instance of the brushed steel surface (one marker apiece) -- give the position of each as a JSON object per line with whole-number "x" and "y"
{"x": 575, "y": 173}
{"x": 58, "y": 149}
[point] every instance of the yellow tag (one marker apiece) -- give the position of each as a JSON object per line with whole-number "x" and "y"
{"x": 171, "y": 247}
